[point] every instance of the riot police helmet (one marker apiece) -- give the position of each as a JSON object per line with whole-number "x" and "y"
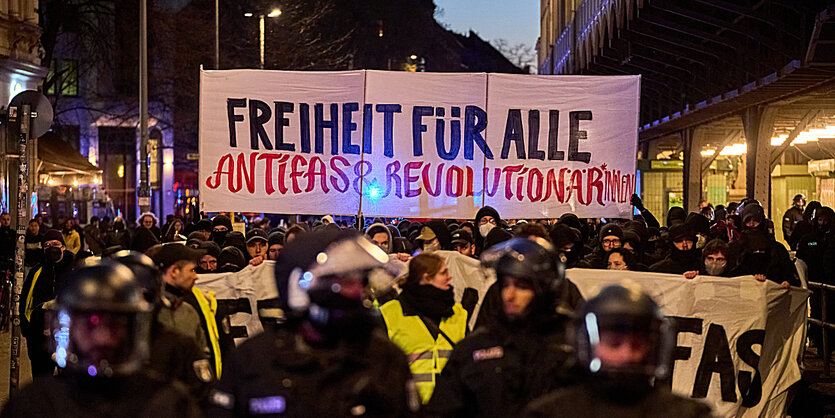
{"x": 102, "y": 321}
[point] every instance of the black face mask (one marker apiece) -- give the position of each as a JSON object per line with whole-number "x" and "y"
{"x": 219, "y": 236}
{"x": 757, "y": 263}
{"x": 54, "y": 254}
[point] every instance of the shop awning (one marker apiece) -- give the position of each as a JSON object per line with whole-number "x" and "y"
{"x": 59, "y": 157}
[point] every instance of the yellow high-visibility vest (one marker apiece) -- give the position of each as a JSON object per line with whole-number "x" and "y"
{"x": 427, "y": 356}
{"x": 208, "y": 308}
{"x": 27, "y": 310}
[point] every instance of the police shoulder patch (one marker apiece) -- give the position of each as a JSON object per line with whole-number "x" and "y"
{"x": 222, "y": 399}
{"x": 203, "y": 370}
{"x": 488, "y": 353}
{"x": 267, "y": 405}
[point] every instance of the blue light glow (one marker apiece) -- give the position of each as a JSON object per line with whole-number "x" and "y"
{"x": 374, "y": 192}
{"x": 62, "y": 338}
{"x": 307, "y": 277}
{"x": 591, "y": 327}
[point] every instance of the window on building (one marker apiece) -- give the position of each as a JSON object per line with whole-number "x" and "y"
{"x": 69, "y": 78}
{"x": 50, "y": 78}
{"x": 62, "y": 77}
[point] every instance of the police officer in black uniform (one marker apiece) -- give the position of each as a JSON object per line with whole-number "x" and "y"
{"x": 624, "y": 345}
{"x": 522, "y": 354}
{"x": 100, "y": 330}
{"x": 329, "y": 357}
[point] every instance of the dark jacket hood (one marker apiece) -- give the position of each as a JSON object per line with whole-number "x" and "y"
{"x": 485, "y": 211}
{"x": 441, "y": 232}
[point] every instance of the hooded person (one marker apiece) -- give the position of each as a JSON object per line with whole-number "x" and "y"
{"x": 275, "y": 243}
{"x": 204, "y": 227}
{"x": 435, "y": 236}
{"x": 683, "y": 255}
{"x": 700, "y": 226}
{"x": 486, "y": 219}
{"x": 634, "y": 245}
{"x": 208, "y": 263}
{"x": 568, "y": 242}
{"x": 221, "y": 225}
{"x": 760, "y": 255}
{"x": 403, "y": 227}
{"x": 393, "y": 230}
{"x": 231, "y": 260}
{"x": 380, "y": 235}
{"x": 496, "y": 236}
{"x": 38, "y": 288}
{"x": 610, "y": 237}
{"x": 753, "y": 217}
{"x": 676, "y": 215}
{"x": 195, "y": 239}
{"x": 143, "y": 240}
{"x": 237, "y": 240}
{"x": 805, "y": 226}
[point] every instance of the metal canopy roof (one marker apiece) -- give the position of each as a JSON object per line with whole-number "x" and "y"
{"x": 797, "y": 89}
{"x": 793, "y": 85}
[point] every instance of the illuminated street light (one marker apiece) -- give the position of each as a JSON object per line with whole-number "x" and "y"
{"x": 272, "y": 14}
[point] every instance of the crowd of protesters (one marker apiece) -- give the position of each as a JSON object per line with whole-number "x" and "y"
{"x": 419, "y": 313}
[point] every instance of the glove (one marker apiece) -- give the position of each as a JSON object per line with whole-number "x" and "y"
{"x": 636, "y": 201}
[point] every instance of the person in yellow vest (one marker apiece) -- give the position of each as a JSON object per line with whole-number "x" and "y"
{"x": 424, "y": 320}
{"x": 40, "y": 287}
{"x": 186, "y": 309}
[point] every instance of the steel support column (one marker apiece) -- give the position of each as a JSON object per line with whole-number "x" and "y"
{"x": 691, "y": 141}
{"x": 758, "y": 123}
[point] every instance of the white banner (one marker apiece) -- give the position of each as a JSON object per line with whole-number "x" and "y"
{"x": 565, "y": 145}
{"x": 417, "y": 144}
{"x": 738, "y": 339}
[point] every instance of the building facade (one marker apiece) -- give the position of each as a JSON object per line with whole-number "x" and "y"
{"x": 20, "y": 69}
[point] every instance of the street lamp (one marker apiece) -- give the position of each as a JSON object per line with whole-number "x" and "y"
{"x": 272, "y": 14}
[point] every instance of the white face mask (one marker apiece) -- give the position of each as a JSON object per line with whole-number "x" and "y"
{"x": 715, "y": 268}
{"x": 485, "y": 229}
{"x": 434, "y": 246}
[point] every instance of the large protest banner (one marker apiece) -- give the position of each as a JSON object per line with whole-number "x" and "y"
{"x": 280, "y": 141}
{"x": 565, "y": 145}
{"x": 737, "y": 345}
{"x": 417, "y": 144}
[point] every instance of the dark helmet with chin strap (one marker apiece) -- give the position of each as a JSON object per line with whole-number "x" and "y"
{"x": 317, "y": 288}
{"x": 621, "y": 315}
{"x": 102, "y": 300}
{"x": 534, "y": 261}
